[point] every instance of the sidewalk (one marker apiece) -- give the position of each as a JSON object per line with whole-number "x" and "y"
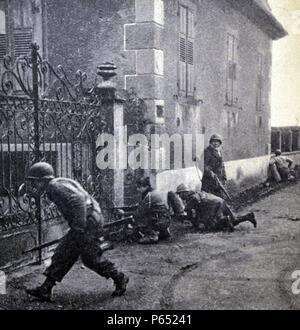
{"x": 248, "y": 269}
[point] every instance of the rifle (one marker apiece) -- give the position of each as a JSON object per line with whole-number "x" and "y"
{"x": 104, "y": 246}
{"x": 222, "y": 188}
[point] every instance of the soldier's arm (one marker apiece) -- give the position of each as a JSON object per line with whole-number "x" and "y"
{"x": 290, "y": 161}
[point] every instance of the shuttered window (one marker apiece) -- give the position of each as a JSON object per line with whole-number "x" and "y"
{"x": 260, "y": 83}
{"x": 231, "y": 84}
{"x": 23, "y": 26}
{"x": 22, "y": 41}
{"x": 186, "y": 50}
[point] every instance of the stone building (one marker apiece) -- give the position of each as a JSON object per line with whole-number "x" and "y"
{"x": 201, "y": 65}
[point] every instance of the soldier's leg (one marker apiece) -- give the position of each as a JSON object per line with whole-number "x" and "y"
{"x": 92, "y": 257}
{"x": 247, "y": 217}
{"x": 176, "y": 205}
{"x": 64, "y": 257}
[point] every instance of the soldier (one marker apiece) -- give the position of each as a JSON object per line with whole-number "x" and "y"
{"x": 85, "y": 220}
{"x": 280, "y": 168}
{"x": 152, "y": 215}
{"x": 213, "y": 166}
{"x": 209, "y": 212}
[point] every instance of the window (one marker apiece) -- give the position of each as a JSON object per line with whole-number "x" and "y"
{"x": 231, "y": 84}
{"x": 20, "y": 33}
{"x": 23, "y": 24}
{"x": 186, "y": 51}
{"x": 260, "y": 83}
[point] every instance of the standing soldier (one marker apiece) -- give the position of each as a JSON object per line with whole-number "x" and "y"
{"x": 210, "y": 212}
{"x": 85, "y": 220}
{"x": 152, "y": 215}
{"x": 213, "y": 166}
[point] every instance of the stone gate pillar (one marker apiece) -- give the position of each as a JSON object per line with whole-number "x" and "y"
{"x": 145, "y": 38}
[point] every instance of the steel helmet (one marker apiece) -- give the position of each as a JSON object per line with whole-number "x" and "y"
{"x": 278, "y": 152}
{"x": 182, "y": 188}
{"x": 216, "y": 137}
{"x": 40, "y": 170}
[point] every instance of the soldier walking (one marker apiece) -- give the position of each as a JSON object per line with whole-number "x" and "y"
{"x": 85, "y": 220}
{"x": 210, "y": 213}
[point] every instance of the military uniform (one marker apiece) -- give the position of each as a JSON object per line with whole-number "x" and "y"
{"x": 283, "y": 166}
{"x": 208, "y": 211}
{"x": 213, "y": 163}
{"x": 85, "y": 219}
{"x": 152, "y": 217}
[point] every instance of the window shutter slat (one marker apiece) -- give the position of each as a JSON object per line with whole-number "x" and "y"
{"x": 190, "y": 52}
{"x": 22, "y": 42}
{"x": 182, "y": 49}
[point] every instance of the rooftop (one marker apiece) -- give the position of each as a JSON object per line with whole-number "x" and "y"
{"x": 259, "y": 12}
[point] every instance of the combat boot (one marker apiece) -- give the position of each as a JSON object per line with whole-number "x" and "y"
{"x": 120, "y": 281}
{"x": 247, "y": 217}
{"x": 43, "y": 292}
{"x": 164, "y": 234}
{"x": 251, "y": 218}
{"x": 149, "y": 239}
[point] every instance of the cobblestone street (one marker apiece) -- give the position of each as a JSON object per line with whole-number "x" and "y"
{"x": 248, "y": 269}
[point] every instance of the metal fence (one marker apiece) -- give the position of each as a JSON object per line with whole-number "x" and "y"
{"x": 44, "y": 116}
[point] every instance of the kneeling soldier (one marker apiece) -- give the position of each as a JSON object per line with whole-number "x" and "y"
{"x": 209, "y": 211}
{"x": 152, "y": 215}
{"x": 85, "y": 220}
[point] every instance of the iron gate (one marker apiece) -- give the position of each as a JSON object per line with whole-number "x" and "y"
{"x": 46, "y": 117}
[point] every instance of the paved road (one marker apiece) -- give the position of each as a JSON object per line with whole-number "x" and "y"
{"x": 248, "y": 269}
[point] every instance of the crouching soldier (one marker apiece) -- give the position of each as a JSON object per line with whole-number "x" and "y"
{"x": 209, "y": 212}
{"x": 152, "y": 215}
{"x": 85, "y": 220}
{"x": 280, "y": 168}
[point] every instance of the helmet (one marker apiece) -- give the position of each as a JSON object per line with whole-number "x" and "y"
{"x": 278, "y": 152}
{"x": 40, "y": 170}
{"x": 182, "y": 188}
{"x": 216, "y": 137}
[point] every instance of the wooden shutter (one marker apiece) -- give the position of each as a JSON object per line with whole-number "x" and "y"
{"x": 190, "y": 53}
{"x": 230, "y": 73}
{"x": 182, "y": 47}
{"x": 22, "y": 41}
{"x": 235, "y": 72}
{"x": 260, "y": 83}
{"x": 232, "y": 54}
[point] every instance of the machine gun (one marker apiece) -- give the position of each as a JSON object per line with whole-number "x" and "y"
{"x": 110, "y": 234}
